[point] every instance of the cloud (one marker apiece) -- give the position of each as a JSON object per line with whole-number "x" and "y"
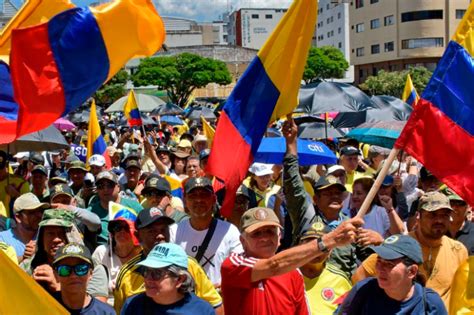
{"x": 202, "y": 10}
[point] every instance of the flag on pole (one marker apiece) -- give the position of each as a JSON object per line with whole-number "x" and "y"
{"x": 208, "y": 131}
{"x": 266, "y": 91}
{"x": 118, "y": 211}
{"x": 95, "y": 141}
{"x": 410, "y": 96}
{"x": 439, "y": 132}
{"x": 56, "y": 66}
{"x": 131, "y": 111}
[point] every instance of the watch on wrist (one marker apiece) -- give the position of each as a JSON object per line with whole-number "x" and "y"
{"x": 322, "y": 247}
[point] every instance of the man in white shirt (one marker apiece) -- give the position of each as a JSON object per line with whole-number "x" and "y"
{"x": 202, "y": 236}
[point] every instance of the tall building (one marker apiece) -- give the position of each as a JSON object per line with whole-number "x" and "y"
{"x": 250, "y": 27}
{"x": 396, "y": 34}
{"x": 333, "y": 30}
{"x": 7, "y": 10}
{"x": 182, "y": 32}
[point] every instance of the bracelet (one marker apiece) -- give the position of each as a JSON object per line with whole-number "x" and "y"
{"x": 321, "y": 246}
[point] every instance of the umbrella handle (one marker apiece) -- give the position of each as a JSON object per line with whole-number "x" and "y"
{"x": 378, "y": 182}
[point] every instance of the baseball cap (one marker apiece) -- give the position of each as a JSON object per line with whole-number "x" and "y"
{"x": 243, "y": 190}
{"x": 97, "y": 160}
{"x": 28, "y": 201}
{"x": 71, "y": 158}
{"x": 198, "y": 182}
{"x": 184, "y": 143}
{"x": 164, "y": 255}
{"x": 106, "y": 175}
{"x": 398, "y": 246}
{"x": 199, "y": 138}
{"x": 328, "y": 181}
{"x": 75, "y": 250}
{"x": 316, "y": 230}
{"x": 57, "y": 217}
{"x": 433, "y": 201}
{"x": 133, "y": 163}
{"x": 157, "y": 183}
{"x": 388, "y": 180}
{"x": 60, "y": 189}
{"x": 261, "y": 169}
{"x": 375, "y": 150}
{"x": 162, "y": 148}
{"x": 40, "y": 169}
{"x": 448, "y": 192}
{"x": 258, "y": 217}
{"x": 204, "y": 154}
{"x": 78, "y": 165}
{"x": 349, "y": 150}
{"x": 36, "y": 158}
{"x": 150, "y": 216}
{"x": 335, "y": 168}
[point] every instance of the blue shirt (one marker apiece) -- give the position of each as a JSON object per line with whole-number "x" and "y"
{"x": 95, "y": 307}
{"x": 10, "y": 238}
{"x": 189, "y": 305}
{"x": 366, "y": 297}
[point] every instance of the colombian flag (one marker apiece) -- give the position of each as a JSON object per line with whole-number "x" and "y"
{"x": 95, "y": 141}
{"x": 410, "y": 96}
{"x": 117, "y": 211}
{"x": 58, "y": 65}
{"x": 176, "y": 186}
{"x": 266, "y": 91}
{"x": 131, "y": 110}
{"x": 440, "y": 130}
{"x": 8, "y": 106}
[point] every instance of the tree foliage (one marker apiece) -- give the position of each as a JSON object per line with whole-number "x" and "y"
{"x": 393, "y": 83}
{"x": 180, "y": 75}
{"x": 112, "y": 90}
{"x": 324, "y": 63}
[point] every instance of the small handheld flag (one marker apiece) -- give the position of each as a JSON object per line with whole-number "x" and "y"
{"x": 131, "y": 110}
{"x": 95, "y": 141}
{"x": 410, "y": 96}
{"x": 117, "y": 211}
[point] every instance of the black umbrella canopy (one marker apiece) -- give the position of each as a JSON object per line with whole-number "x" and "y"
{"x": 317, "y": 130}
{"x": 168, "y": 109}
{"x": 324, "y": 97}
{"x": 48, "y": 139}
{"x": 195, "y": 113}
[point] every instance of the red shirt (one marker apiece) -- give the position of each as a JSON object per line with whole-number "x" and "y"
{"x": 282, "y": 294}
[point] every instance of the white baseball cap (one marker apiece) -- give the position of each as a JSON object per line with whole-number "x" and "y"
{"x": 261, "y": 169}
{"x": 97, "y": 160}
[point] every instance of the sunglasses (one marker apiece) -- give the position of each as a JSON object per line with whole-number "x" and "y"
{"x": 156, "y": 194}
{"x": 80, "y": 270}
{"x": 119, "y": 227}
{"x": 157, "y": 274}
{"x": 105, "y": 186}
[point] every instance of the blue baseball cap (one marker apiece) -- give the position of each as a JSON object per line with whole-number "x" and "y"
{"x": 164, "y": 255}
{"x": 388, "y": 180}
{"x": 398, "y": 246}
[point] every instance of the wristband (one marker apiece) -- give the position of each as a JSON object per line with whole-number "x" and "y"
{"x": 322, "y": 247}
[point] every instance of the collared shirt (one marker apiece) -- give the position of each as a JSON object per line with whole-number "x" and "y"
{"x": 466, "y": 236}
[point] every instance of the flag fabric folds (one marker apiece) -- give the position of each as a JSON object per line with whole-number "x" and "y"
{"x": 131, "y": 111}
{"x": 175, "y": 185}
{"x": 117, "y": 211}
{"x": 410, "y": 96}
{"x": 95, "y": 141}
{"x": 440, "y": 130}
{"x": 266, "y": 91}
{"x": 56, "y": 66}
{"x": 8, "y": 106}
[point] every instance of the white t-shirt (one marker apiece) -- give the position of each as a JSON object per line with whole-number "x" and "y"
{"x": 111, "y": 262}
{"x": 225, "y": 240}
{"x": 377, "y": 220}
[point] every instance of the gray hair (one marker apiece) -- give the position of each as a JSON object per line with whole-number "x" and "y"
{"x": 188, "y": 284}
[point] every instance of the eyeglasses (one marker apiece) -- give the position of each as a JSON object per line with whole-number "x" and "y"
{"x": 119, "y": 227}
{"x": 156, "y": 194}
{"x": 157, "y": 274}
{"x": 105, "y": 186}
{"x": 80, "y": 270}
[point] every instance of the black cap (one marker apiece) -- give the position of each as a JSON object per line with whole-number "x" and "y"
{"x": 75, "y": 250}
{"x": 60, "y": 189}
{"x": 328, "y": 181}
{"x": 349, "y": 150}
{"x": 162, "y": 148}
{"x": 36, "y": 158}
{"x": 425, "y": 173}
{"x": 198, "y": 182}
{"x": 187, "y": 136}
{"x": 133, "y": 163}
{"x": 150, "y": 216}
{"x": 40, "y": 169}
{"x": 204, "y": 154}
{"x": 156, "y": 183}
{"x": 398, "y": 246}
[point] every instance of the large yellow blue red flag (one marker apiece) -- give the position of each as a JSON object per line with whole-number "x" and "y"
{"x": 410, "y": 96}
{"x": 440, "y": 130}
{"x": 95, "y": 141}
{"x": 131, "y": 111}
{"x": 266, "y": 91}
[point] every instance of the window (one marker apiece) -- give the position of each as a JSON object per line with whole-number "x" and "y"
{"x": 361, "y": 73}
{"x": 375, "y": 49}
{"x": 332, "y": 33}
{"x": 338, "y": 15}
{"x": 389, "y": 20}
{"x": 339, "y": 45}
{"x": 327, "y": 6}
{"x": 329, "y": 34}
{"x": 359, "y": 3}
{"x": 268, "y": 16}
{"x": 393, "y": 68}
{"x": 460, "y": 14}
{"x": 389, "y": 46}
{"x": 374, "y": 71}
{"x": 255, "y": 16}
{"x": 339, "y": 30}
{"x": 373, "y": 1}
{"x": 359, "y": 28}
{"x": 375, "y": 23}
{"x": 422, "y": 42}
{"x": 422, "y": 15}
{"x": 328, "y": 21}
{"x": 360, "y": 51}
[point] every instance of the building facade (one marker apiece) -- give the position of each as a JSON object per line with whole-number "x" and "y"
{"x": 7, "y": 10}
{"x": 396, "y": 34}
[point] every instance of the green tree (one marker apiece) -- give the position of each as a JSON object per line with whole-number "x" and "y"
{"x": 324, "y": 63}
{"x": 393, "y": 83}
{"x": 112, "y": 90}
{"x": 180, "y": 75}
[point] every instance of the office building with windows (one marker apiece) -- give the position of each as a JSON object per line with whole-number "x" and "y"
{"x": 396, "y": 34}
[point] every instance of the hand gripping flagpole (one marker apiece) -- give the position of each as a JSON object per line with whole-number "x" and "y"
{"x": 378, "y": 182}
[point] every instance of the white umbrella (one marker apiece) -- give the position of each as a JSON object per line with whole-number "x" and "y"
{"x": 146, "y": 103}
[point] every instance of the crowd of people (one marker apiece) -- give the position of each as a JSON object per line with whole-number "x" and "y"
{"x": 293, "y": 243}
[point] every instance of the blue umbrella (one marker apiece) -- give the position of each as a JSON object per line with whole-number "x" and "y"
{"x": 272, "y": 150}
{"x": 172, "y": 120}
{"x": 382, "y": 133}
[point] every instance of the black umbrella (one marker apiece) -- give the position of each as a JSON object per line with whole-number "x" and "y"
{"x": 324, "y": 97}
{"x": 307, "y": 119}
{"x": 195, "y": 113}
{"x": 168, "y": 109}
{"x": 317, "y": 130}
{"x": 146, "y": 121}
{"x": 48, "y": 139}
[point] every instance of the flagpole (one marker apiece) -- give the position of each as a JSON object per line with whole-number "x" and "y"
{"x": 378, "y": 182}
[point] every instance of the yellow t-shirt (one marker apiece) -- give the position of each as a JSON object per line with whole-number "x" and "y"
{"x": 351, "y": 177}
{"x": 324, "y": 290}
{"x": 9, "y": 251}
{"x": 463, "y": 289}
{"x": 129, "y": 282}
{"x": 19, "y": 183}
